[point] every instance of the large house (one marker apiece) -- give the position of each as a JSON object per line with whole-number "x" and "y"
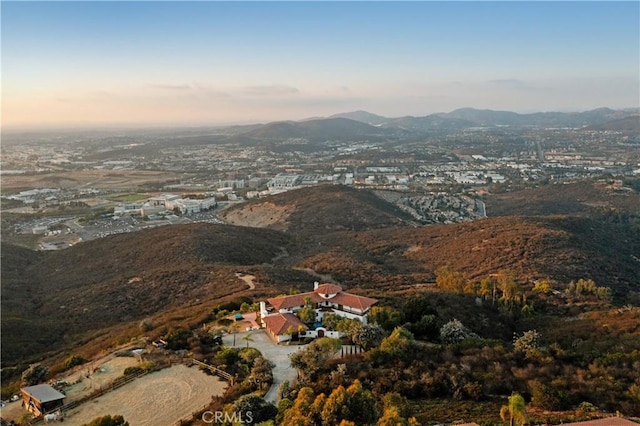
{"x": 278, "y": 314}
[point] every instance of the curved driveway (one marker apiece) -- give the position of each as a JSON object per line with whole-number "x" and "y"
{"x": 278, "y": 354}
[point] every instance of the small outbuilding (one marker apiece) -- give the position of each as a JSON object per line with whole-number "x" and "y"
{"x": 40, "y": 399}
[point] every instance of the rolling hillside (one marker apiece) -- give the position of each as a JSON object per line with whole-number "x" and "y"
{"x": 53, "y": 300}
{"x": 571, "y": 198}
{"x": 318, "y": 210}
{"x": 559, "y": 248}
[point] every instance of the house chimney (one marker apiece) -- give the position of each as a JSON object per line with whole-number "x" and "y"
{"x": 315, "y": 285}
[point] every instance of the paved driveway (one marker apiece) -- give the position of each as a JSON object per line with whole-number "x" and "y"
{"x": 278, "y": 354}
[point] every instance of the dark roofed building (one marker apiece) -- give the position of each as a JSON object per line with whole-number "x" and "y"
{"x": 40, "y": 399}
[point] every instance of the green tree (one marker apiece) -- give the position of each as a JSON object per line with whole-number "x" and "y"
{"x": 262, "y": 372}
{"x": 260, "y": 409}
{"x": 301, "y": 412}
{"x": 488, "y": 288}
{"x": 108, "y": 420}
{"x": 234, "y": 328}
{"x": 362, "y": 404}
{"x": 368, "y": 335}
{"x": 511, "y": 291}
{"x": 331, "y": 321}
{"x": 426, "y": 327}
{"x": 315, "y": 357}
{"x": 74, "y": 360}
{"x": 386, "y": 317}
{"x": 528, "y": 343}
{"x": 399, "y": 342}
{"x": 35, "y": 374}
{"x": 336, "y": 407}
{"x": 544, "y": 396}
{"x": 391, "y": 417}
{"x": 248, "y": 339}
{"x": 397, "y": 401}
{"x": 307, "y": 315}
{"x": 515, "y": 410}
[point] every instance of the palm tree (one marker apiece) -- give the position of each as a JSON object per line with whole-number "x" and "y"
{"x": 247, "y": 339}
{"x": 516, "y": 410}
{"x": 234, "y": 329}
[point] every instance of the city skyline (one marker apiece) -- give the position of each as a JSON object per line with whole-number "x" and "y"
{"x": 213, "y": 63}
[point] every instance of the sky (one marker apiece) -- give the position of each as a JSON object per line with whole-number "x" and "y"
{"x": 211, "y": 63}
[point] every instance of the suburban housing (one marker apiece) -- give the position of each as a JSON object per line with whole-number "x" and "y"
{"x": 278, "y": 314}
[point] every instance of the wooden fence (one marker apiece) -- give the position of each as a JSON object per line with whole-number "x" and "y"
{"x": 215, "y": 370}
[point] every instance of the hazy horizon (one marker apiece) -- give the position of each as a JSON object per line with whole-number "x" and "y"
{"x": 168, "y": 64}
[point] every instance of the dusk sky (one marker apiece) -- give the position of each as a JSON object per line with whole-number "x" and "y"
{"x": 209, "y": 63}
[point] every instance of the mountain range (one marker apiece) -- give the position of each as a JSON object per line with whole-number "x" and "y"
{"x": 309, "y": 134}
{"x": 471, "y": 117}
{"x": 363, "y": 125}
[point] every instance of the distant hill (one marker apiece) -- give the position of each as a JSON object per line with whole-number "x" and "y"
{"x": 363, "y": 117}
{"x": 430, "y": 123}
{"x": 317, "y": 130}
{"x": 626, "y": 125}
{"x": 471, "y": 117}
{"x": 318, "y": 210}
{"x": 539, "y": 119}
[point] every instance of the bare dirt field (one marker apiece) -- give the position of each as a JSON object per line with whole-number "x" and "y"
{"x": 106, "y": 373}
{"x": 108, "y": 179}
{"x": 100, "y": 372}
{"x": 263, "y": 215}
{"x": 159, "y": 398}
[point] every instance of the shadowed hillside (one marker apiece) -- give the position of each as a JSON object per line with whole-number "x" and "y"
{"x": 50, "y": 297}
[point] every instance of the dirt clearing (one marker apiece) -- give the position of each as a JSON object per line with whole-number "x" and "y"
{"x": 159, "y": 398}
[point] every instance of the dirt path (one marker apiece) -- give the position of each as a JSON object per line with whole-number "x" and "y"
{"x": 159, "y": 398}
{"x": 326, "y": 278}
{"x": 248, "y": 279}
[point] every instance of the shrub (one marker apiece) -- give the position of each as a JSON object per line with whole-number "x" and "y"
{"x": 34, "y": 374}
{"x": 454, "y": 331}
{"x": 108, "y": 421}
{"x": 131, "y": 370}
{"x": 74, "y": 360}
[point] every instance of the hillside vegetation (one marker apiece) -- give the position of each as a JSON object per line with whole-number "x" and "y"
{"x": 95, "y": 294}
{"x": 584, "y": 198}
{"x": 50, "y": 298}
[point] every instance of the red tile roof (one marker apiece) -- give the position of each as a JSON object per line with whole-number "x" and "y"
{"x": 341, "y": 298}
{"x": 279, "y": 323}
{"x": 328, "y": 289}
{"x": 353, "y": 300}
{"x": 293, "y": 300}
